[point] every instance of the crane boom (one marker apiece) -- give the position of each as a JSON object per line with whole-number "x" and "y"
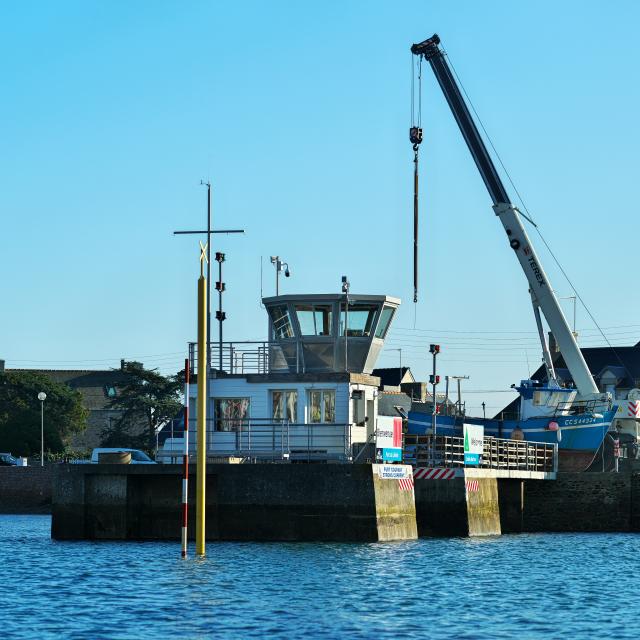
{"x": 541, "y": 290}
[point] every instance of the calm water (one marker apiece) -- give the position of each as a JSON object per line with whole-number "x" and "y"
{"x": 528, "y": 586}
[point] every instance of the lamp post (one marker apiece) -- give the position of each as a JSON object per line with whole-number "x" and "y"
{"x": 434, "y": 350}
{"x": 280, "y": 266}
{"x": 345, "y": 290}
{"x": 42, "y": 396}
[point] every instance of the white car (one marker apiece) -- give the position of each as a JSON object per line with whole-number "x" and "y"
{"x": 137, "y": 456}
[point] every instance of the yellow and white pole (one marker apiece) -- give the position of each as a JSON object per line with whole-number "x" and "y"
{"x": 201, "y": 409}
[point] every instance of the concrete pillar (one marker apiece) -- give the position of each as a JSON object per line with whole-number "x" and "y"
{"x": 395, "y": 507}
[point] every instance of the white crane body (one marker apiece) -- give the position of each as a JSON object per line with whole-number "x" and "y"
{"x": 540, "y": 288}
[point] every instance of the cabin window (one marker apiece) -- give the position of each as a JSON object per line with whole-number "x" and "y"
{"x": 360, "y": 320}
{"x": 281, "y": 322}
{"x": 285, "y": 405}
{"x": 231, "y": 414}
{"x": 385, "y": 321}
{"x": 322, "y": 406}
{"x": 110, "y": 391}
{"x": 314, "y": 320}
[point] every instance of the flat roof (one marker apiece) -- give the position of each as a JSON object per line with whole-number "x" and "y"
{"x": 331, "y": 297}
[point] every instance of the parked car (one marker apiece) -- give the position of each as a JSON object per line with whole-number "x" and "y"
{"x": 7, "y": 460}
{"x": 137, "y": 456}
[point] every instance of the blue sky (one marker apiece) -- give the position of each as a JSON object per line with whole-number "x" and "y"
{"x": 113, "y": 112}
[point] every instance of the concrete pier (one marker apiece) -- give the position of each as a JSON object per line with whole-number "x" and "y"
{"x": 466, "y": 505}
{"x": 244, "y": 502}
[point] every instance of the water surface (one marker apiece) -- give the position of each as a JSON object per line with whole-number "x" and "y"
{"x": 525, "y": 586}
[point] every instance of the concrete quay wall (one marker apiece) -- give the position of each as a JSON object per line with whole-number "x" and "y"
{"x": 243, "y": 502}
{"x": 26, "y": 489}
{"x": 574, "y": 502}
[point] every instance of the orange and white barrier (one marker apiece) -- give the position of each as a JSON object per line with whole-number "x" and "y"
{"x": 433, "y": 473}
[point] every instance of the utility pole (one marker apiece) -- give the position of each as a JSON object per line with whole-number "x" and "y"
{"x": 399, "y": 350}
{"x": 446, "y": 395}
{"x": 459, "y": 403}
{"x": 434, "y": 350}
{"x": 575, "y": 333}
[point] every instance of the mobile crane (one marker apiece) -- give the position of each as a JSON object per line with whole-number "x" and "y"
{"x": 537, "y": 400}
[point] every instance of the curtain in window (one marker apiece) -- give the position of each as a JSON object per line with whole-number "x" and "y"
{"x": 231, "y": 413}
{"x": 285, "y": 405}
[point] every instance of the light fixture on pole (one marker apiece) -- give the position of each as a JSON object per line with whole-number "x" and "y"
{"x": 280, "y": 266}
{"x": 42, "y": 396}
{"x": 434, "y": 350}
{"x": 345, "y": 290}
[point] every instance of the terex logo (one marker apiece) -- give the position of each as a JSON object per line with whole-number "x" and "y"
{"x": 536, "y": 270}
{"x": 527, "y": 250}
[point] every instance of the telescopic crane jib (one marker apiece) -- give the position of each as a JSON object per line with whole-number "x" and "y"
{"x": 542, "y": 294}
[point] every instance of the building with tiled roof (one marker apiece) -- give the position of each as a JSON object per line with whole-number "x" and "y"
{"x": 98, "y": 388}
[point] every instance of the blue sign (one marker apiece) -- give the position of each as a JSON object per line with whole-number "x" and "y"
{"x": 392, "y": 455}
{"x": 472, "y": 459}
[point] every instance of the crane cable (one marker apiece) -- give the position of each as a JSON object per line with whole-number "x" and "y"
{"x": 415, "y": 137}
{"x": 529, "y": 217}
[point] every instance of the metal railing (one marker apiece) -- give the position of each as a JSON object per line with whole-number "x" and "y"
{"x": 256, "y": 439}
{"x": 579, "y": 407}
{"x": 498, "y": 453}
{"x": 251, "y": 356}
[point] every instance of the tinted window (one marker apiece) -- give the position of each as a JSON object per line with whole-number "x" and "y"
{"x": 314, "y": 320}
{"x": 385, "y": 321}
{"x": 281, "y": 322}
{"x": 360, "y": 321}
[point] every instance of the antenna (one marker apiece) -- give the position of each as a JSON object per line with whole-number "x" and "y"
{"x": 261, "y": 294}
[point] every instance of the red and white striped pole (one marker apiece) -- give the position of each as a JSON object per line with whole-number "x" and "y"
{"x": 185, "y": 478}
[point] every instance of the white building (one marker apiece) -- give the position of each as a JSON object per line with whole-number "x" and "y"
{"x": 307, "y": 393}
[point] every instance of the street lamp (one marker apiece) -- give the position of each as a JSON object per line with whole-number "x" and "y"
{"x": 345, "y": 290}
{"x": 434, "y": 350}
{"x": 280, "y": 266}
{"x": 42, "y": 396}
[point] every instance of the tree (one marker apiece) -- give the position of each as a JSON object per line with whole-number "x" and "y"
{"x": 147, "y": 400}
{"x": 20, "y": 408}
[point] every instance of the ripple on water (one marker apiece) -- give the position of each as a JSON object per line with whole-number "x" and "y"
{"x": 530, "y": 586}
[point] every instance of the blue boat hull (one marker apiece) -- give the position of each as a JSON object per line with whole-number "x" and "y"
{"x": 575, "y": 432}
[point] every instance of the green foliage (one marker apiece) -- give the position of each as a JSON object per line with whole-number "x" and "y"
{"x": 20, "y": 408}
{"x": 147, "y": 400}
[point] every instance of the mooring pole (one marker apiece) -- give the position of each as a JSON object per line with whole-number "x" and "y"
{"x": 185, "y": 478}
{"x": 201, "y": 407}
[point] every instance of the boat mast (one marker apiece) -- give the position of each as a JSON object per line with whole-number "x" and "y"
{"x": 541, "y": 291}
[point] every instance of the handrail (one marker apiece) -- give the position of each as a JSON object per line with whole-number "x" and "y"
{"x": 272, "y": 439}
{"x": 498, "y": 453}
{"x": 251, "y": 356}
